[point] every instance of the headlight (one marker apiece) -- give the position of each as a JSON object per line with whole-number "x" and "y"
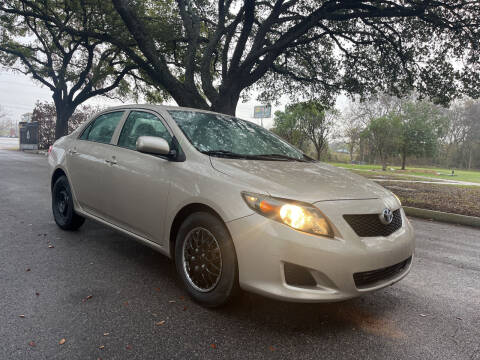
{"x": 397, "y": 199}
{"x": 298, "y": 215}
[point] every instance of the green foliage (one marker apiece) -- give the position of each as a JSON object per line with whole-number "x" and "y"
{"x": 384, "y": 134}
{"x": 423, "y": 125}
{"x": 305, "y": 123}
{"x": 286, "y": 126}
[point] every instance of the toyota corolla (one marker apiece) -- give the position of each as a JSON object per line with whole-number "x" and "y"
{"x": 235, "y": 206}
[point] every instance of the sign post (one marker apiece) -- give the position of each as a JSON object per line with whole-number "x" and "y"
{"x": 262, "y": 112}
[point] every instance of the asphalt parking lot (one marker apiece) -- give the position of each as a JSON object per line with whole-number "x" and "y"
{"x": 110, "y": 297}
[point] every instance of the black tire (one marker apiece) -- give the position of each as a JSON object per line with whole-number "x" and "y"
{"x": 62, "y": 206}
{"x": 225, "y": 285}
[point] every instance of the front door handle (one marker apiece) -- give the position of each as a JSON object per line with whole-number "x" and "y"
{"x": 111, "y": 162}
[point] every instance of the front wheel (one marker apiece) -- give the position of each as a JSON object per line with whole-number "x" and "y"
{"x": 205, "y": 259}
{"x": 62, "y": 206}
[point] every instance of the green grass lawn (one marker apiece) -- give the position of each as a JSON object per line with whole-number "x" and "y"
{"x": 438, "y": 173}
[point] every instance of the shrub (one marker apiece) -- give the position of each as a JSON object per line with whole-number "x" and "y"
{"x": 44, "y": 113}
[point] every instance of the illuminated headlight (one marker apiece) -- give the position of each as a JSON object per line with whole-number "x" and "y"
{"x": 298, "y": 215}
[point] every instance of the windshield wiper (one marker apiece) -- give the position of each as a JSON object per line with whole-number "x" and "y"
{"x": 279, "y": 157}
{"x": 225, "y": 153}
{"x": 229, "y": 154}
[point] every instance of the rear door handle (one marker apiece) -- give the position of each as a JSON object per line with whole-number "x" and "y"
{"x": 72, "y": 152}
{"x": 111, "y": 162}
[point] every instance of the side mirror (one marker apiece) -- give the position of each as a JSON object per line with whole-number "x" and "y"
{"x": 153, "y": 145}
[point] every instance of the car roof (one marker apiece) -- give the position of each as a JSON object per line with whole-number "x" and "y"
{"x": 158, "y": 107}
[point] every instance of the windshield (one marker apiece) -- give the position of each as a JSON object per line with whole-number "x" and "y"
{"x": 225, "y": 136}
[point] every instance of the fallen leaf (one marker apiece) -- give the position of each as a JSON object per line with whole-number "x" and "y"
{"x": 101, "y": 347}
{"x": 213, "y": 346}
{"x": 181, "y": 297}
{"x": 423, "y": 315}
{"x": 106, "y": 334}
{"x": 184, "y": 308}
{"x": 129, "y": 347}
{"x": 271, "y": 348}
{"x": 28, "y": 269}
{"x": 61, "y": 342}
{"x": 158, "y": 289}
{"x": 87, "y": 298}
{"x": 160, "y": 323}
{"x": 37, "y": 293}
{"x": 22, "y": 316}
{"x": 125, "y": 303}
{"x": 51, "y": 246}
{"x": 31, "y": 343}
{"x": 171, "y": 301}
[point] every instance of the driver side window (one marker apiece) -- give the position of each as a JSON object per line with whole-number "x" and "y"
{"x": 141, "y": 123}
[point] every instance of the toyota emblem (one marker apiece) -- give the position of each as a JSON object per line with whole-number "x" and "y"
{"x": 386, "y": 216}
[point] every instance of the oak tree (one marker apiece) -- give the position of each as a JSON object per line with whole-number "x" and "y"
{"x": 74, "y": 67}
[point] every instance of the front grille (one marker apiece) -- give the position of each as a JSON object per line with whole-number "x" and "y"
{"x": 370, "y": 225}
{"x": 371, "y": 278}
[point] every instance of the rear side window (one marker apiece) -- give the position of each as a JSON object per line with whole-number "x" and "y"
{"x": 140, "y": 123}
{"x": 102, "y": 128}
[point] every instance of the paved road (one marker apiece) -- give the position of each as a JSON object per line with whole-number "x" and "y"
{"x": 434, "y": 313}
{"x": 8, "y": 143}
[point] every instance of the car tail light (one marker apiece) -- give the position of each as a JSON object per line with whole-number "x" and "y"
{"x": 50, "y": 149}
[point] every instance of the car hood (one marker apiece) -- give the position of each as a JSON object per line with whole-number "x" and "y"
{"x": 302, "y": 181}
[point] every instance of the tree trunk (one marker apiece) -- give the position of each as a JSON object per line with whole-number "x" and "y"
{"x": 384, "y": 162}
{"x": 404, "y": 159}
{"x": 226, "y": 102}
{"x": 64, "y": 111}
{"x": 227, "y": 108}
{"x": 470, "y": 158}
{"x": 319, "y": 150}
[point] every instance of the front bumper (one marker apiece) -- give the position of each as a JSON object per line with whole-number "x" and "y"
{"x": 264, "y": 246}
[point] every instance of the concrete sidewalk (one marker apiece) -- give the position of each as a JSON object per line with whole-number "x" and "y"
{"x": 9, "y": 143}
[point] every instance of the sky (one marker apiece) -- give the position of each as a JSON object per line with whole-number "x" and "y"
{"x": 19, "y": 93}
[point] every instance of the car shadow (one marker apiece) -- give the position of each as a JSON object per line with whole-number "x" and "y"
{"x": 372, "y": 313}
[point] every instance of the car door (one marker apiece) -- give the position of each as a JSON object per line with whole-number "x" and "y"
{"x": 140, "y": 183}
{"x": 86, "y": 163}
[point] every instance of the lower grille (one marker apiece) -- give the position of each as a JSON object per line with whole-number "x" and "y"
{"x": 370, "y": 278}
{"x": 370, "y": 225}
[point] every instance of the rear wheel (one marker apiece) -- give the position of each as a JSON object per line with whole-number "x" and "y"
{"x": 205, "y": 259}
{"x": 62, "y": 206}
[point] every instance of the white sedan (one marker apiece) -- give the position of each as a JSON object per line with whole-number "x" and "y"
{"x": 234, "y": 205}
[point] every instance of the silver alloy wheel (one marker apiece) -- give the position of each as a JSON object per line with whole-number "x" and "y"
{"x": 202, "y": 259}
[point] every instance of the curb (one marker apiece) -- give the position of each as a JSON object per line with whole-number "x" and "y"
{"x": 442, "y": 216}
{"x": 38, "y": 152}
